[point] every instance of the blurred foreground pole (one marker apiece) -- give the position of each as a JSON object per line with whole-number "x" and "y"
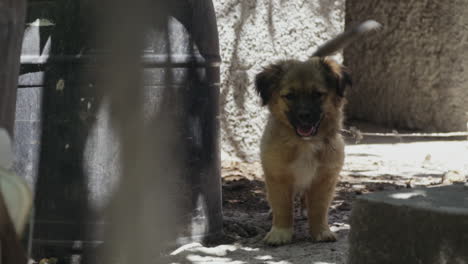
{"x": 12, "y": 14}
{"x": 140, "y": 219}
{"x": 169, "y": 189}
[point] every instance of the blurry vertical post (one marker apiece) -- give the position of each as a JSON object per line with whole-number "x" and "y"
{"x": 160, "y": 76}
{"x": 141, "y": 220}
{"x": 12, "y": 15}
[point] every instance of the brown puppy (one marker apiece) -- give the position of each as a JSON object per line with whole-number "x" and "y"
{"x": 302, "y": 150}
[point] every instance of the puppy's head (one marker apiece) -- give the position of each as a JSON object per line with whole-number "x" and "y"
{"x": 305, "y": 96}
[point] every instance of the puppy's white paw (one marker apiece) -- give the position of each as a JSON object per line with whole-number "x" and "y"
{"x": 278, "y": 236}
{"x": 324, "y": 236}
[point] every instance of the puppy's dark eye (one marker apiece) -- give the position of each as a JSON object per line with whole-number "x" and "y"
{"x": 289, "y": 96}
{"x": 318, "y": 94}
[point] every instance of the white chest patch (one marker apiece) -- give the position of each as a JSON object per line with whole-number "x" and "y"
{"x": 304, "y": 168}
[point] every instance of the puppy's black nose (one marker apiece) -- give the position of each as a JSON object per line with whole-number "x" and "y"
{"x": 304, "y": 116}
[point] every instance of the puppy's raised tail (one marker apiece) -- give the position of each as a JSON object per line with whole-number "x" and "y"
{"x": 344, "y": 39}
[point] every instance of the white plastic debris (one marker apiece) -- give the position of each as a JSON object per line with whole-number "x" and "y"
{"x": 6, "y": 153}
{"x": 14, "y": 190}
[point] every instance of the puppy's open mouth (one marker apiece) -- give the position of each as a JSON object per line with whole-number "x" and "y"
{"x": 308, "y": 130}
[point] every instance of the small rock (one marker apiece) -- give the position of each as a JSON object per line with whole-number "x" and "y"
{"x": 452, "y": 177}
{"x": 358, "y": 188}
{"x": 428, "y": 157}
{"x": 409, "y": 183}
{"x": 345, "y": 206}
{"x": 48, "y": 261}
{"x": 235, "y": 185}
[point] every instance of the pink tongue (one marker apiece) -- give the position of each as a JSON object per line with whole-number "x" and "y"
{"x": 305, "y": 132}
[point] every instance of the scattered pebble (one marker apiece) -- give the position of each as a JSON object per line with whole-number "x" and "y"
{"x": 344, "y": 206}
{"x": 452, "y": 177}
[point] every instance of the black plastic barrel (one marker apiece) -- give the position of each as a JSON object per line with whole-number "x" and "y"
{"x": 66, "y": 146}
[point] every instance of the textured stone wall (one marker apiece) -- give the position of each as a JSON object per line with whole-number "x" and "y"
{"x": 414, "y": 73}
{"x": 252, "y": 34}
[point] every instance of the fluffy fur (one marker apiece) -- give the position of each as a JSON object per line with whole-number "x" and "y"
{"x": 302, "y": 150}
{"x": 296, "y": 161}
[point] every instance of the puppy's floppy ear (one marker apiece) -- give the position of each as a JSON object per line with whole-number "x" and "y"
{"x": 337, "y": 76}
{"x": 268, "y": 80}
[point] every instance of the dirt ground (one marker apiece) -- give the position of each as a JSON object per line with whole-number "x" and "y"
{"x": 374, "y": 164}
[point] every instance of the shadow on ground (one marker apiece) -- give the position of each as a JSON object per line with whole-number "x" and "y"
{"x": 247, "y": 219}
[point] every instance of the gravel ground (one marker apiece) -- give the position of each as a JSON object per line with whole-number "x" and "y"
{"x": 375, "y": 164}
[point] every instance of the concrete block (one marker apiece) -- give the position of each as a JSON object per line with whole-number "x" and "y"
{"x": 412, "y": 74}
{"x": 426, "y": 226}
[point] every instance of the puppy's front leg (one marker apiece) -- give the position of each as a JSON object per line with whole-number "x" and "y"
{"x": 318, "y": 199}
{"x": 280, "y": 198}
